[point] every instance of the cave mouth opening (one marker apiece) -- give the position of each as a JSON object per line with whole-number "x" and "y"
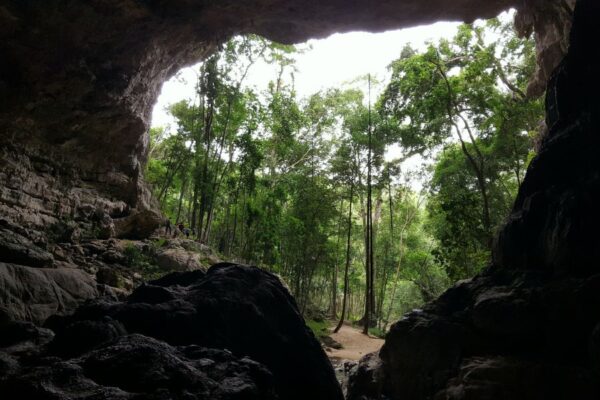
{"x": 527, "y": 326}
{"x": 257, "y": 118}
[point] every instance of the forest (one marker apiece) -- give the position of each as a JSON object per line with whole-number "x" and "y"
{"x": 318, "y": 189}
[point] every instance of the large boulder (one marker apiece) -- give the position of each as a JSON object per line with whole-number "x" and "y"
{"x": 137, "y": 367}
{"x": 178, "y": 260}
{"x": 500, "y": 378}
{"x": 17, "y": 249}
{"x": 34, "y": 294}
{"x": 243, "y": 309}
{"x": 185, "y": 255}
{"x": 482, "y": 341}
{"x": 139, "y": 224}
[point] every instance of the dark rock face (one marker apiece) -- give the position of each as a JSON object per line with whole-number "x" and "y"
{"x": 139, "y": 367}
{"x": 241, "y": 309}
{"x": 161, "y": 343}
{"x": 554, "y": 222}
{"x": 365, "y": 380}
{"x": 550, "y": 22}
{"x": 527, "y": 328}
{"x": 34, "y": 294}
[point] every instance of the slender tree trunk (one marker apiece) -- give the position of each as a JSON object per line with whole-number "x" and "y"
{"x": 183, "y": 188}
{"x": 369, "y": 247}
{"x": 347, "y": 266}
{"x": 232, "y": 238}
{"x": 407, "y": 222}
{"x": 334, "y": 280}
{"x": 194, "y": 206}
{"x": 478, "y": 167}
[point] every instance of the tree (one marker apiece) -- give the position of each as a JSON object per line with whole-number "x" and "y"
{"x": 302, "y": 187}
{"x": 471, "y": 91}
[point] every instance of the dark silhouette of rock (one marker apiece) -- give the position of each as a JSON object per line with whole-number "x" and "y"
{"x": 139, "y": 367}
{"x": 364, "y": 380}
{"x": 239, "y": 308}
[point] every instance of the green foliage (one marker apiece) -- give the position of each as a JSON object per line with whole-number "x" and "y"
{"x": 471, "y": 88}
{"x": 268, "y": 179}
{"x": 375, "y": 331}
{"x": 137, "y": 260}
{"x": 158, "y": 243}
{"x": 60, "y": 231}
{"x": 319, "y": 328}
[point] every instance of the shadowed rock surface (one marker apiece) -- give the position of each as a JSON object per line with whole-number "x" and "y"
{"x": 138, "y": 367}
{"x": 34, "y": 294}
{"x": 242, "y": 309}
{"x": 527, "y": 328}
{"x": 156, "y": 343}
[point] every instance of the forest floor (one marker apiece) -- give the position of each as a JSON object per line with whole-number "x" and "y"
{"x": 355, "y": 344}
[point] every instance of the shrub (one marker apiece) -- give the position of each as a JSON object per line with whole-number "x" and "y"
{"x": 142, "y": 263}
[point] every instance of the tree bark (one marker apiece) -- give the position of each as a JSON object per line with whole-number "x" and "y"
{"x": 347, "y": 266}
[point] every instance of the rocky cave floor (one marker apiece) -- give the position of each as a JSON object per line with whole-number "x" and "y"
{"x": 233, "y": 332}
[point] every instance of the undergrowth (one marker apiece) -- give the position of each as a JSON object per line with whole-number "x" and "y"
{"x": 142, "y": 263}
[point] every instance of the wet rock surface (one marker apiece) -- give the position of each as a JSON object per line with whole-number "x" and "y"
{"x": 232, "y": 332}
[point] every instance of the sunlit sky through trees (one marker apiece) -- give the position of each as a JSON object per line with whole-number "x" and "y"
{"x": 335, "y": 61}
{"x": 325, "y": 63}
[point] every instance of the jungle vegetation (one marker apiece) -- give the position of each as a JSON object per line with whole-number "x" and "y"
{"x": 306, "y": 187}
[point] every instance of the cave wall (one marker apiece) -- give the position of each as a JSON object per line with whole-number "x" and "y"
{"x": 553, "y": 226}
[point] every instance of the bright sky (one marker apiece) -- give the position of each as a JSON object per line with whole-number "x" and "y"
{"x": 330, "y": 62}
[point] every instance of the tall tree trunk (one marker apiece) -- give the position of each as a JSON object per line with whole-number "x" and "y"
{"x": 347, "y": 266}
{"x": 369, "y": 247}
{"x": 194, "y": 207}
{"x": 183, "y": 188}
{"x": 407, "y": 222}
{"x": 334, "y": 279}
{"x": 478, "y": 167}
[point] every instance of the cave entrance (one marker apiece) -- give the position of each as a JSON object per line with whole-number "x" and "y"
{"x": 262, "y": 152}
{"x": 287, "y": 182}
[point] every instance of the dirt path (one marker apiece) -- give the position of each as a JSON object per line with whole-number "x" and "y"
{"x": 355, "y": 344}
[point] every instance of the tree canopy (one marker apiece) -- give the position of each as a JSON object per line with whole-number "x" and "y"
{"x": 307, "y": 187}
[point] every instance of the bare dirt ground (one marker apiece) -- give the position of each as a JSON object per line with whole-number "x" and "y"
{"x": 355, "y": 344}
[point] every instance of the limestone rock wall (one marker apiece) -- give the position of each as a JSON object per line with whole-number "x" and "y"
{"x": 550, "y": 23}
